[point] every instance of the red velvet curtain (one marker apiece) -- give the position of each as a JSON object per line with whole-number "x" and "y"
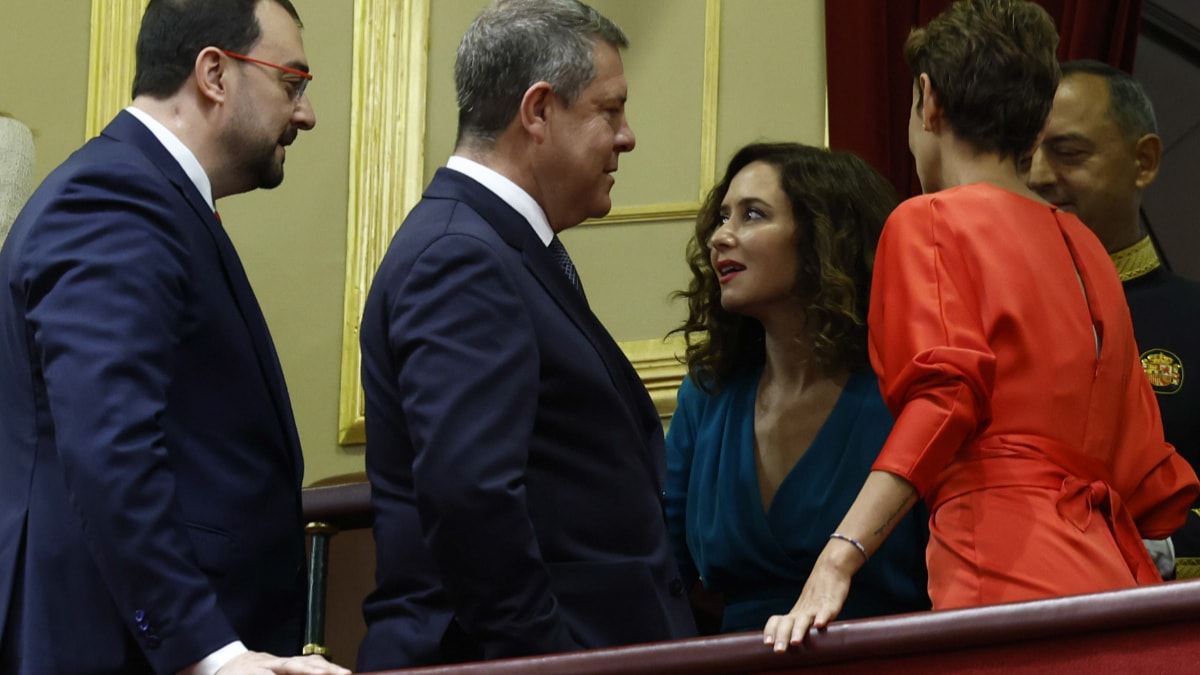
{"x": 870, "y": 88}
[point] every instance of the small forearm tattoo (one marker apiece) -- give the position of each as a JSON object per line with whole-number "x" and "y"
{"x": 901, "y": 509}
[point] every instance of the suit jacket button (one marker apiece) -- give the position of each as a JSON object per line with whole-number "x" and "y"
{"x": 139, "y": 615}
{"x": 152, "y": 641}
{"x": 676, "y": 588}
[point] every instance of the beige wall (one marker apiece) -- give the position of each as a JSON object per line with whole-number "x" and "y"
{"x": 293, "y": 239}
{"x": 44, "y": 46}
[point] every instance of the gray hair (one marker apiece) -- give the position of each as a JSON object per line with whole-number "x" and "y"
{"x": 514, "y": 44}
{"x": 1128, "y": 103}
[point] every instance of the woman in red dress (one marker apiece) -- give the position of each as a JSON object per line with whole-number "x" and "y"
{"x": 1003, "y": 344}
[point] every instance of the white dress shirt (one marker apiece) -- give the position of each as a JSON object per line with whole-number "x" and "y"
{"x": 510, "y": 192}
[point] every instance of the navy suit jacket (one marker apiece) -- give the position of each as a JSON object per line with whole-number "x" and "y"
{"x": 516, "y": 460}
{"x": 149, "y": 496}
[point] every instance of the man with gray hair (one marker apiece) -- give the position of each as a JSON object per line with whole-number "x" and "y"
{"x": 516, "y": 460}
{"x": 1099, "y": 153}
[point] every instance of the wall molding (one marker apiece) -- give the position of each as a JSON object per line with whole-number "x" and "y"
{"x": 659, "y": 364}
{"x": 654, "y": 213}
{"x": 711, "y": 98}
{"x": 387, "y": 156}
{"x": 111, "y": 60}
{"x": 709, "y": 101}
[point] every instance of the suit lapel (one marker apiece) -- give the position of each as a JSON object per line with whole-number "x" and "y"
{"x": 256, "y": 324}
{"x": 127, "y": 129}
{"x": 517, "y": 232}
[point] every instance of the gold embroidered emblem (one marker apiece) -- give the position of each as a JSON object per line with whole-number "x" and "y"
{"x": 1164, "y": 369}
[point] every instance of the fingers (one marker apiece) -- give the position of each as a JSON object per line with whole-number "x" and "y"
{"x": 776, "y": 625}
{"x": 799, "y": 630}
{"x": 824, "y": 616}
{"x": 259, "y": 663}
{"x": 783, "y": 630}
{"x": 306, "y": 665}
{"x": 786, "y": 629}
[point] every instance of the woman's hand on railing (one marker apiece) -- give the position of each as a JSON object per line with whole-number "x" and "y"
{"x": 820, "y": 601}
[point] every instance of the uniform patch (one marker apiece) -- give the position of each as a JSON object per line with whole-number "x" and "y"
{"x": 1164, "y": 369}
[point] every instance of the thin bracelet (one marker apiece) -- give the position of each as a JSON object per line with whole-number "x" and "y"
{"x": 861, "y": 549}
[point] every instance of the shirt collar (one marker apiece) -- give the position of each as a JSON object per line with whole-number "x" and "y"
{"x": 512, "y": 194}
{"x": 187, "y": 160}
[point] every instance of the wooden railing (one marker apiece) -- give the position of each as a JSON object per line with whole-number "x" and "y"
{"x": 1148, "y": 629}
{"x": 328, "y": 509}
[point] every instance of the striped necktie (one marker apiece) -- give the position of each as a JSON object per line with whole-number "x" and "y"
{"x": 559, "y": 253}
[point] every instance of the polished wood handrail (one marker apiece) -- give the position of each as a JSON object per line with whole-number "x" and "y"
{"x": 887, "y": 637}
{"x": 346, "y": 506}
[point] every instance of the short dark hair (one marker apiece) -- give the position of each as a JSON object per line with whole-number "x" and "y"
{"x": 514, "y": 44}
{"x": 839, "y": 204}
{"x": 1128, "y": 103}
{"x": 992, "y": 64}
{"x": 174, "y": 31}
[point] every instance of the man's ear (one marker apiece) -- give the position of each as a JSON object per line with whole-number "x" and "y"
{"x": 536, "y": 109}
{"x": 209, "y": 73}
{"x": 1147, "y": 152}
{"x": 931, "y": 109}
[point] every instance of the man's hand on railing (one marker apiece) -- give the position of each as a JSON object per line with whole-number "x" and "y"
{"x": 261, "y": 663}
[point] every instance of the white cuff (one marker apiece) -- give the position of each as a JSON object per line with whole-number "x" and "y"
{"x": 1162, "y": 552}
{"x": 215, "y": 661}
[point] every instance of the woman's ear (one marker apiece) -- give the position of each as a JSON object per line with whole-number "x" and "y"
{"x": 931, "y": 110}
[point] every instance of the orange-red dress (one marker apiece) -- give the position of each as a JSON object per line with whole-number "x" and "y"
{"x": 1034, "y": 439}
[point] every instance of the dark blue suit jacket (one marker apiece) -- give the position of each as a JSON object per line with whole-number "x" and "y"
{"x": 149, "y": 496}
{"x": 516, "y": 460}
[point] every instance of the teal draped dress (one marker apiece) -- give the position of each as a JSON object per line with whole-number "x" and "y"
{"x": 759, "y": 559}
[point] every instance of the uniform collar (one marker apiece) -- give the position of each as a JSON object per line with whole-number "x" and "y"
{"x": 1137, "y": 260}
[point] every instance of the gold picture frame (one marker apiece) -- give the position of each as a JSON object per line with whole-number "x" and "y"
{"x": 387, "y": 155}
{"x": 111, "y": 62}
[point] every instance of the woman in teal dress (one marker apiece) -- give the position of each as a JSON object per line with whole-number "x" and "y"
{"x": 780, "y": 417}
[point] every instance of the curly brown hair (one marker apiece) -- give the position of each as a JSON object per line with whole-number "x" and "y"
{"x": 839, "y": 204}
{"x": 992, "y": 65}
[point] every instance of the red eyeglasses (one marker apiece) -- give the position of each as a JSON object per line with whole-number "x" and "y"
{"x": 298, "y": 85}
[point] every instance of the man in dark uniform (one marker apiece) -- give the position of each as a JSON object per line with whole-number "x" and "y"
{"x": 1099, "y": 152}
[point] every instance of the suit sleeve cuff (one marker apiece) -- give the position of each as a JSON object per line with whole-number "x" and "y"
{"x": 215, "y": 661}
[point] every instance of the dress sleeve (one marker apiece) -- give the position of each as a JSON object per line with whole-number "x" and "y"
{"x": 927, "y": 343}
{"x": 681, "y": 446}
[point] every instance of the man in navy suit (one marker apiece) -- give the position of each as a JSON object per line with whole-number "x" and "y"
{"x": 516, "y": 460}
{"x": 150, "y": 516}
